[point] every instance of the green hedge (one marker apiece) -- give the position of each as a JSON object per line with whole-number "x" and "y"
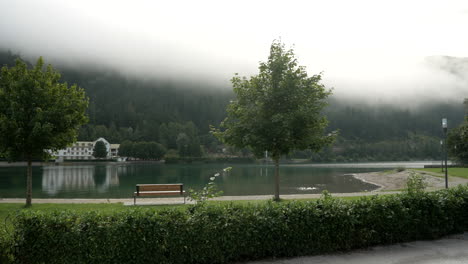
{"x": 226, "y": 233}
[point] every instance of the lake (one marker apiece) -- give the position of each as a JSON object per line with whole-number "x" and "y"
{"x": 118, "y": 180}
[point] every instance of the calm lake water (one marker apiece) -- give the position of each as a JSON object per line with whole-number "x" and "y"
{"x": 118, "y": 180}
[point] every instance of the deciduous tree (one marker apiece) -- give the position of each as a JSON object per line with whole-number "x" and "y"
{"x": 100, "y": 150}
{"x": 278, "y": 110}
{"x": 457, "y": 142}
{"x": 37, "y": 113}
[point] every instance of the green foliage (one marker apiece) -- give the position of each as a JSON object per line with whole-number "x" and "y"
{"x": 171, "y": 154}
{"x": 357, "y": 149}
{"x": 415, "y": 184}
{"x": 278, "y": 110}
{"x": 126, "y": 148}
{"x": 100, "y": 150}
{"x": 209, "y": 191}
{"x": 142, "y": 150}
{"x": 37, "y": 111}
{"x": 232, "y": 232}
{"x": 6, "y": 246}
{"x": 457, "y": 143}
{"x": 183, "y": 137}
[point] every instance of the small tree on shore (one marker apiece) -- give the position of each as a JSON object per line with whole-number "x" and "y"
{"x": 278, "y": 110}
{"x": 100, "y": 150}
{"x": 38, "y": 114}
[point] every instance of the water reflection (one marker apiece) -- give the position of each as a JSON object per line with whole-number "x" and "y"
{"x": 63, "y": 178}
{"x": 119, "y": 180}
{"x": 264, "y": 171}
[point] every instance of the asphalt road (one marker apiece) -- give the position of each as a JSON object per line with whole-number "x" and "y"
{"x": 450, "y": 250}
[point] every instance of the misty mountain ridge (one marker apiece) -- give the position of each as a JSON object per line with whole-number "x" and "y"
{"x": 441, "y": 79}
{"x": 87, "y": 75}
{"x": 457, "y": 66}
{"x": 128, "y": 108}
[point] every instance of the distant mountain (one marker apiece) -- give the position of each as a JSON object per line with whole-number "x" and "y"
{"x": 123, "y": 108}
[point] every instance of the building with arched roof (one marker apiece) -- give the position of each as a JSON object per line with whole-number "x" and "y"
{"x": 83, "y": 150}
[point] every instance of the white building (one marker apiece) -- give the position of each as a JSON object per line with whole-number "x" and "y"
{"x": 83, "y": 150}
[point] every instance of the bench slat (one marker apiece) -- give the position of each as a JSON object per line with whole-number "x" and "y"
{"x": 156, "y": 193}
{"x": 159, "y": 187}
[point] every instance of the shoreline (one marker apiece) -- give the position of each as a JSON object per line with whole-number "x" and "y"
{"x": 179, "y": 200}
{"x": 394, "y": 180}
{"x": 374, "y": 164}
{"x": 359, "y": 176}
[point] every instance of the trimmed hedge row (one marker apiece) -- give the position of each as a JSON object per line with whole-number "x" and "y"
{"x": 220, "y": 234}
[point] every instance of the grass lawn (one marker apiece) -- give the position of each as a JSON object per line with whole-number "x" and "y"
{"x": 457, "y": 172}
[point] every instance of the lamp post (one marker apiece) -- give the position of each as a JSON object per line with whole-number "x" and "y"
{"x": 444, "y": 128}
{"x": 442, "y": 153}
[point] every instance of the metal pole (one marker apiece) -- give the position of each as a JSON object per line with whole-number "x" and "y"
{"x": 444, "y": 127}
{"x": 442, "y": 158}
{"x": 445, "y": 145}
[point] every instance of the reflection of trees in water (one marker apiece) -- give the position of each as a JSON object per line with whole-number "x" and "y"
{"x": 59, "y": 178}
{"x": 111, "y": 178}
{"x": 264, "y": 171}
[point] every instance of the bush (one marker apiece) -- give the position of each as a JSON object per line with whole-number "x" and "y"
{"x": 209, "y": 191}
{"x": 400, "y": 169}
{"x": 415, "y": 183}
{"x": 5, "y": 247}
{"x": 225, "y": 233}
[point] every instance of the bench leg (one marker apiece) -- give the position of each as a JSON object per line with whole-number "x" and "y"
{"x": 134, "y": 200}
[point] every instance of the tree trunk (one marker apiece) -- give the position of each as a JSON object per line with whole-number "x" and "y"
{"x": 29, "y": 184}
{"x": 277, "y": 193}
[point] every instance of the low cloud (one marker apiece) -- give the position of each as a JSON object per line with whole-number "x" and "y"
{"x": 369, "y": 52}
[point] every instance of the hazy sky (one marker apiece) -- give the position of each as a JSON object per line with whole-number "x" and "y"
{"x": 377, "y": 48}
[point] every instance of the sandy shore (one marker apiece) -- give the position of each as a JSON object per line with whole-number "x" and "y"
{"x": 397, "y": 180}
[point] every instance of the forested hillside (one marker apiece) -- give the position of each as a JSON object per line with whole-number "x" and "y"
{"x": 173, "y": 112}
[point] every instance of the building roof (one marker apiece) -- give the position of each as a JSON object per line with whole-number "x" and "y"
{"x": 114, "y": 145}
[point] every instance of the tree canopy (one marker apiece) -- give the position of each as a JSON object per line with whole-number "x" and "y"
{"x": 142, "y": 150}
{"x": 457, "y": 142}
{"x": 100, "y": 150}
{"x": 38, "y": 113}
{"x": 278, "y": 110}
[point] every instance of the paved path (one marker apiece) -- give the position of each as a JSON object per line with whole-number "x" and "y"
{"x": 178, "y": 200}
{"x": 450, "y": 250}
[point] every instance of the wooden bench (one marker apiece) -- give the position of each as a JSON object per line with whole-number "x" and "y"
{"x": 144, "y": 190}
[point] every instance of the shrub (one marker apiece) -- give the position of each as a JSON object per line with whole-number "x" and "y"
{"x": 415, "y": 184}
{"x": 209, "y": 191}
{"x": 400, "y": 169}
{"x": 6, "y": 246}
{"x": 215, "y": 233}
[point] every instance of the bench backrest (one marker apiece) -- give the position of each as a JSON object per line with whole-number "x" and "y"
{"x": 160, "y": 187}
